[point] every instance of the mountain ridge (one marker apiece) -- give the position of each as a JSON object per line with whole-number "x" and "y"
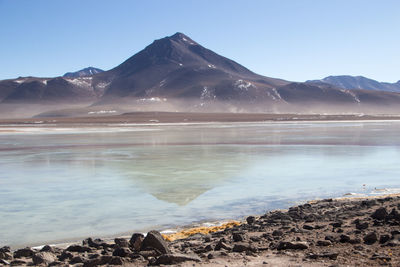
{"x": 177, "y": 73}
{"x": 358, "y": 82}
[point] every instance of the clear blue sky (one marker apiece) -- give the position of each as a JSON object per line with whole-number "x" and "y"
{"x": 294, "y": 40}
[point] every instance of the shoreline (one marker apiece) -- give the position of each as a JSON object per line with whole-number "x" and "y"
{"x": 252, "y": 241}
{"x": 160, "y": 118}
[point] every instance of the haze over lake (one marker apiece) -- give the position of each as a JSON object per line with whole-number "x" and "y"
{"x": 70, "y": 182}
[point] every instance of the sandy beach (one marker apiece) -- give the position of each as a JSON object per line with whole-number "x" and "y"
{"x": 328, "y": 232}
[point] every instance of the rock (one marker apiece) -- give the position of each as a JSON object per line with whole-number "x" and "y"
{"x": 136, "y": 241}
{"x": 5, "y": 249}
{"x": 222, "y": 244}
{"x": 330, "y": 255}
{"x": 47, "y": 248}
{"x": 336, "y": 224}
{"x": 55, "y": 263}
{"x": 103, "y": 260}
{"x": 292, "y": 245}
{"x": 5, "y": 255}
{"x": 121, "y": 242}
{"x": 277, "y": 233}
{"x": 242, "y": 246}
{"x": 380, "y": 214}
{"x": 176, "y": 258}
{"x": 308, "y": 227}
{"x": 92, "y": 243}
{"x": 324, "y": 243}
{"x": 238, "y": 237}
{"x": 2, "y": 261}
{"x": 354, "y": 241}
{"x": 362, "y": 225}
{"x": 370, "y": 238}
{"x": 65, "y": 255}
{"x": 154, "y": 240}
{"x": 251, "y": 220}
{"x": 384, "y": 238}
{"x": 122, "y": 252}
{"x": 78, "y": 248}
{"x": 43, "y": 258}
{"x": 18, "y": 262}
{"x": 76, "y": 259}
{"x": 344, "y": 238}
{"x": 23, "y": 252}
{"x": 116, "y": 261}
{"x": 394, "y": 215}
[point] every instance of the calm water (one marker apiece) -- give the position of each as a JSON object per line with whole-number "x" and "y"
{"x": 70, "y": 183}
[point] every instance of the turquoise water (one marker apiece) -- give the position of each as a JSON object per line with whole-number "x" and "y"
{"x": 67, "y": 183}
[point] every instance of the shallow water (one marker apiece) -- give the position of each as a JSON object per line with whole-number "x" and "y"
{"x": 68, "y": 183}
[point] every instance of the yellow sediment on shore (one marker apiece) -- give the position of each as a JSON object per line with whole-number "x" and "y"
{"x": 199, "y": 230}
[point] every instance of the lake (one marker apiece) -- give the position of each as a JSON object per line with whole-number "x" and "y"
{"x": 68, "y": 182}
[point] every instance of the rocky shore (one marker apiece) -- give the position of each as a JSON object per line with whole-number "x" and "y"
{"x": 330, "y": 232}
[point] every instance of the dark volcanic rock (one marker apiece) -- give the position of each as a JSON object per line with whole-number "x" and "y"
{"x": 2, "y": 261}
{"x": 344, "y": 238}
{"x": 78, "y": 248}
{"x": 362, "y": 225}
{"x": 154, "y": 240}
{"x": 23, "y": 252}
{"x": 222, "y": 244}
{"x": 324, "y": 243}
{"x": 76, "y": 259}
{"x": 136, "y": 241}
{"x": 370, "y": 238}
{"x": 43, "y": 258}
{"x": 238, "y": 237}
{"x": 242, "y": 246}
{"x": 250, "y": 219}
{"x": 122, "y": 252}
{"x": 384, "y": 238}
{"x": 65, "y": 255}
{"x": 292, "y": 245}
{"x": 380, "y": 214}
{"x": 121, "y": 242}
{"x": 92, "y": 243}
{"x": 5, "y": 255}
{"x": 277, "y": 233}
{"x": 176, "y": 258}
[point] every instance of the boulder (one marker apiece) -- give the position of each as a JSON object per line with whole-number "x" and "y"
{"x": 136, "y": 241}
{"x": 380, "y": 214}
{"x": 78, "y": 248}
{"x": 242, "y": 247}
{"x": 43, "y": 258}
{"x": 121, "y": 242}
{"x": 238, "y": 237}
{"x": 122, "y": 252}
{"x": 154, "y": 240}
{"x": 251, "y": 220}
{"x": 23, "y": 252}
{"x": 370, "y": 238}
{"x": 176, "y": 258}
{"x": 222, "y": 244}
{"x": 362, "y": 225}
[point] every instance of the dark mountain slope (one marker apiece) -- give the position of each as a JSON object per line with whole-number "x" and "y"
{"x": 358, "y": 82}
{"x": 83, "y": 72}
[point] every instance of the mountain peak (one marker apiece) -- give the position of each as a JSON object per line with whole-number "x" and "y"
{"x": 182, "y": 37}
{"x": 89, "y": 71}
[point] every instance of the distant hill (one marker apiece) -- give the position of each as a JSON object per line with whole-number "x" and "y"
{"x": 358, "y": 82}
{"x": 176, "y": 73}
{"x": 83, "y": 72}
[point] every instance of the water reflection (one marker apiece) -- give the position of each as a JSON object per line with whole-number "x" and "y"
{"x": 83, "y": 181}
